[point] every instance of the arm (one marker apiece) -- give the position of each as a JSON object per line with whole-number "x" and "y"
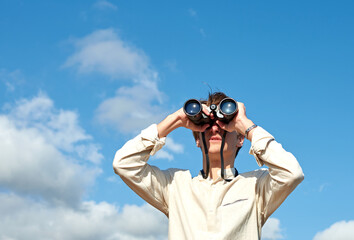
{"x": 284, "y": 172}
{"x": 130, "y": 162}
{"x": 280, "y": 180}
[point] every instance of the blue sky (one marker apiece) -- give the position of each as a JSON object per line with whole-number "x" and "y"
{"x": 79, "y": 78}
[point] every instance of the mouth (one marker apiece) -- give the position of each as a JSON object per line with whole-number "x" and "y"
{"x": 215, "y": 138}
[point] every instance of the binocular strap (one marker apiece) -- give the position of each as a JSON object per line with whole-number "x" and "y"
{"x": 222, "y": 155}
{"x": 205, "y": 174}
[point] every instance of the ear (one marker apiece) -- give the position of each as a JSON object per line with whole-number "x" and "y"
{"x": 197, "y": 141}
{"x": 240, "y": 140}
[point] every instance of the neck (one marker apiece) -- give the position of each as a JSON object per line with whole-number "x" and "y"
{"x": 215, "y": 164}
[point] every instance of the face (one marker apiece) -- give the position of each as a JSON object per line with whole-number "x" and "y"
{"x": 213, "y": 138}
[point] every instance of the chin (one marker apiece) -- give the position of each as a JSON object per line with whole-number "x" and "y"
{"x": 214, "y": 150}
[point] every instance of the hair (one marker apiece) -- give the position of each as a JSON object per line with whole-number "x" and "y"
{"x": 213, "y": 98}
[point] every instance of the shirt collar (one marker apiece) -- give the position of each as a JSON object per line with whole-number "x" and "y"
{"x": 229, "y": 174}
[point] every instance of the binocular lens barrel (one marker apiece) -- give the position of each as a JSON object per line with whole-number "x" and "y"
{"x": 228, "y": 106}
{"x": 192, "y": 107}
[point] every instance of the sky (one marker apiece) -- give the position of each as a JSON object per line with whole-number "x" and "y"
{"x": 80, "y": 78}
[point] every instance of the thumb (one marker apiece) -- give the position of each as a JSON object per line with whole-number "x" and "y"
{"x": 221, "y": 124}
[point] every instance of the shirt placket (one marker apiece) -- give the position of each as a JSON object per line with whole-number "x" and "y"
{"x": 212, "y": 216}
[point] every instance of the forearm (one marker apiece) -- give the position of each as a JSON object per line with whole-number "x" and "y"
{"x": 176, "y": 120}
{"x": 243, "y": 125}
{"x": 283, "y": 166}
{"x": 284, "y": 172}
{"x": 170, "y": 123}
{"x": 134, "y": 154}
{"x": 268, "y": 151}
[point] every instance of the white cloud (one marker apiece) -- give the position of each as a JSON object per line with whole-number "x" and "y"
{"x": 25, "y": 219}
{"x": 171, "y": 65}
{"x": 271, "y": 229}
{"x": 103, "y": 4}
{"x": 343, "y": 230}
{"x": 323, "y": 187}
{"x": 202, "y": 32}
{"x": 133, "y": 106}
{"x": 192, "y": 12}
{"x": 132, "y": 109}
{"x": 104, "y": 52}
{"x": 173, "y": 146}
{"x": 42, "y": 181}
{"x": 170, "y": 146}
{"x": 39, "y": 152}
{"x": 163, "y": 154}
{"x": 11, "y": 79}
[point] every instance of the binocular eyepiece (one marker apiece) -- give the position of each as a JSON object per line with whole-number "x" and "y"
{"x": 225, "y": 111}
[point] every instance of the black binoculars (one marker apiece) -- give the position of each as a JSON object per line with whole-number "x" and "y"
{"x": 225, "y": 111}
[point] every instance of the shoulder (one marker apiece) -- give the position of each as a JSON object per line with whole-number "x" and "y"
{"x": 177, "y": 173}
{"x": 256, "y": 174}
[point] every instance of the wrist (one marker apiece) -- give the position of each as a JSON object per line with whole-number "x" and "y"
{"x": 248, "y": 132}
{"x": 170, "y": 123}
{"x": 243, "y": 125}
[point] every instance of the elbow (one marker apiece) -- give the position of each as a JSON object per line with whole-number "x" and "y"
{"x": 297, "y": 176}
{"x": 117, "y": 165}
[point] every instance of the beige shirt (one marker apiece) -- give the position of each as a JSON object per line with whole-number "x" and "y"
{"x": 200, "y": 208}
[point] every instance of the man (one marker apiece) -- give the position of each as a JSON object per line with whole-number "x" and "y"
{"x": 211, "y": 207}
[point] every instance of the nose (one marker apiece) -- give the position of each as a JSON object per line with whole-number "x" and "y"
{"x": 215, "y": 128}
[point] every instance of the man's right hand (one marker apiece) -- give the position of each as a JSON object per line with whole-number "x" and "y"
{"x": 179, "y": 119}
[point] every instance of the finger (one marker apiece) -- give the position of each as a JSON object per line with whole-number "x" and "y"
{"x": 194, "y": 127}
{"x": 221, "y": 124}
{"x": 205, "y": 109}
{"x": 202, "y": 128}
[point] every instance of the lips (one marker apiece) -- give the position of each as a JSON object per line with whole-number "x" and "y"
{"x": 215, "y": 138}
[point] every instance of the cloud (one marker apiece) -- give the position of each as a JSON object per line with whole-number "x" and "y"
{"x": 343, "y": 230}
{"x": 103, "y": 5}
{"x": 173, "y": 146}
{"x": 171, "y": 65}
{"x": 323, "y": 187}
{"x": 104, "y": 52}
{"x": 132, "y": 109}
{"x": 44, "y": 175}
{"x": 163, "y": 154}
{"x": 192, "y": 12}
{"x": 202, "y": 32}
{"x": 11, "y": 79}
{"x": 271, "y": 230}
{"x": 25, "y": 219}
{"x": 134, "y": 106}
{"x": 45, "y": 153}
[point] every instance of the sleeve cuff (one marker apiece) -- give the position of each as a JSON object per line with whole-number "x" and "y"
{"x": 150, "y": 139}
{"x": 260, "y": 140}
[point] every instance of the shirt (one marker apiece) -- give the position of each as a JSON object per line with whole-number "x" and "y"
{"x": 200, "y": 208}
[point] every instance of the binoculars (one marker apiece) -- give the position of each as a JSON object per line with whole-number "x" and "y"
{"x": 224, "y": 111}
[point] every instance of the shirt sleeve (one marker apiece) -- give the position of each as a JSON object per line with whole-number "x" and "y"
{"x": 149, "y": 182}
{"x": 284, "y": 173}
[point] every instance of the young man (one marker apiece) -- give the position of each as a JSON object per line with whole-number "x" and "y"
{"x": 211, "y": 207}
